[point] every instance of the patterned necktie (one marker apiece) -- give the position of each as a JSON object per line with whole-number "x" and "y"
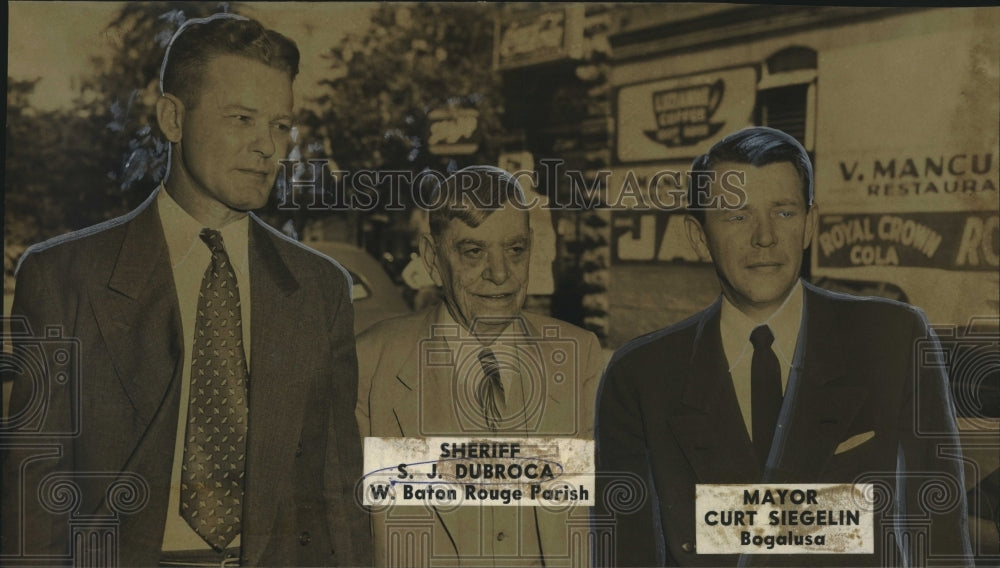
{"x": 489, "y": 392}
{"x": 215, "y": 441}
{"x": 765, "y": 391}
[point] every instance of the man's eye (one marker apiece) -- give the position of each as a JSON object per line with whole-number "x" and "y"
{"x": 737, "y": 218}
{"x": 242, "y": 118}
{"x": 282, "y": 127}
{"x": 518, "y": 249}
{"x": 786, "y": 214}
{"x": 472, "y": 252}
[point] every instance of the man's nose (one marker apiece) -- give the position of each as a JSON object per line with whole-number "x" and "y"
{"x": 263, "y": 143}
{"x": 497, "y": 270}
{"x": 763, "y": 234}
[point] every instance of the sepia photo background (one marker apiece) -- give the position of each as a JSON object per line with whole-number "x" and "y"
{"x": 898, "y": 107}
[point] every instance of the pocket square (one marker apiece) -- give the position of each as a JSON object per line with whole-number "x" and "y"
{"x": 854, "y": 441}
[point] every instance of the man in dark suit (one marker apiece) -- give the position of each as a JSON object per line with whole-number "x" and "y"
{"x": 205, "y": 412}
{"x": 776, "y": 382}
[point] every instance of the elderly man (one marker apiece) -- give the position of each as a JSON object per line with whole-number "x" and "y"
{"x": 231, "y": 442}
{"x": 500, "y": 379}
{"x": 776, "y": 382}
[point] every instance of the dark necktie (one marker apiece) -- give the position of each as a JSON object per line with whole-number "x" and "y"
{"x": 765, "y": 391}
{"x": 489, "y": 392}
{"x": 215, "y": 441}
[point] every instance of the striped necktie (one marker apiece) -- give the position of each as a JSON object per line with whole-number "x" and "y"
{"x": 489, "y": 392}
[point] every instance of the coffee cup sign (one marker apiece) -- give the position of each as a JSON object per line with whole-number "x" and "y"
{"x": 677, "y": 118}
{"x": 684, "y": 115}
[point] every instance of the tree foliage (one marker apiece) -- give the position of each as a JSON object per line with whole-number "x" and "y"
{"x": 374, "y": 111}
{"x": 384, "y": 81}
{"x": 124, "y": 90}
{"x": 70, "y": 168}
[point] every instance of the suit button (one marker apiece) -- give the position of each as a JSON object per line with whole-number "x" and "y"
{"x": 501, "y": 536}
{"x": 688, "y": 547}
{"x": 304, "y": 538}
{"x": 298, "y": 449}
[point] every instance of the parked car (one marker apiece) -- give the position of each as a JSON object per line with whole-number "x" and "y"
{"x": 375, "y": 296}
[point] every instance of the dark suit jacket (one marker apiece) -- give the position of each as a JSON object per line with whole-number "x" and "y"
{"x": 400, "y": 397}
{"x": 668, "y": 418}
{"x": 107, "y": 419}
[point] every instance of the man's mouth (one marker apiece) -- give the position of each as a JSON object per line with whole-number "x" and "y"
{"x": 765, "y": 264}
{"x": 496, "y": 296}
{"x": 258, "y": 173}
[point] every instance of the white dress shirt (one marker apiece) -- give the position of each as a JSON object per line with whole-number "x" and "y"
{"x": 736, "y": 328}
{"x": 189, "y": 258}
{"x": 508, "y": 535}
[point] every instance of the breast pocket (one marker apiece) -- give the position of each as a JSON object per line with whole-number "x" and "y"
{"x": 857, "y": 455}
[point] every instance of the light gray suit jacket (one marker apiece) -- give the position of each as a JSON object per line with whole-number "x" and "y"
{"x": 401, "y": 395}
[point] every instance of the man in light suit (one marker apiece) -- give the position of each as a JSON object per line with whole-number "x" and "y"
{"x": 205, "y": 411}
{"x": 478, "y": 252}
{"x": 776, "y": 382}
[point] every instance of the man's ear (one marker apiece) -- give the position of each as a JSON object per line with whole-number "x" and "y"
{"x": 170, "y": 116}
{"x": 811, "y": 219}
{"x": 428, "y": 253}
{"x": 696, "y": 236}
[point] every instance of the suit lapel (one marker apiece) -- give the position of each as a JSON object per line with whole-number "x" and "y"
{"x": 824, "y": 401}
{"x": 558, "y": 383}
{"x": 138, "y": 316}
{"x": 419, "y": 396}
{"x": 139, "y": 322}
{"x": 709, "y": 424}
{"x": 404, "y": 390}
{"x": 272, "y": 409}
{"x": 421, "y": 393}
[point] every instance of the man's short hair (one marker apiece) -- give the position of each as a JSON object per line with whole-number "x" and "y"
{"x": 755, "y": 146}
{"x": 200, "y": 39}
{"x": 471, "y": 195}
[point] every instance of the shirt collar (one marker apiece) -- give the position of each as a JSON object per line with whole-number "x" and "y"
{"x": 785, "y": 323}
{"x": 181, "y": 231}
{"x": 513, "y": 332}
